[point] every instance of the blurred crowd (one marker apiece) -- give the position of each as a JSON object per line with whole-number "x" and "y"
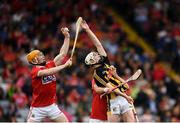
{"x": 158, "y": 22}
{"x": 32, "y": 24}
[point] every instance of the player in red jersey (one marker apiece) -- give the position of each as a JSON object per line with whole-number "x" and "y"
{"x": 99, "y": 106}
{"x": 44, "y": 83}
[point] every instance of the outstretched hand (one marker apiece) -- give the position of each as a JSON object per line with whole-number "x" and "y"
{"x": 65, "y": 31}
{"x": 84, "y": 25}
{"x": 68, "y": 62}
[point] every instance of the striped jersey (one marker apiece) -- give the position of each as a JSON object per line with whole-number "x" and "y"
{"x": 101, "y": 78}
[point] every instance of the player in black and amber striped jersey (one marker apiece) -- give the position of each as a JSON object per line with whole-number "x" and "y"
{"x": 119, "y": 103}
{"x": 102, "y": 77}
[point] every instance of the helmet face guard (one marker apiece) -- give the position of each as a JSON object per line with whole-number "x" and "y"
{"x": 92, "y": 59}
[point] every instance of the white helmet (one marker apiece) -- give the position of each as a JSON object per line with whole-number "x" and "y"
{"x": 90, "y": 58}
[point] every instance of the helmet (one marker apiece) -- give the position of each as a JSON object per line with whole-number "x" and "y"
{"x": 90, "y": 58}
{"x": 32, "y": 55}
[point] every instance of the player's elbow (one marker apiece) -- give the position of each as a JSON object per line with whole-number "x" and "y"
{"x": 63, "y": 54}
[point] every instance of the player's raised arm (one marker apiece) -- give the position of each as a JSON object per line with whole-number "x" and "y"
{"x": 54, "y": 70}
{"x": 94, "y": 39}
{"x": 65, "y": 47}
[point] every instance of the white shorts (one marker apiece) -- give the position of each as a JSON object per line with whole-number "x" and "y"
{"x": 96, "y": 120}
{"x": 38, "y": 113}
{"x": 119, "y": 105}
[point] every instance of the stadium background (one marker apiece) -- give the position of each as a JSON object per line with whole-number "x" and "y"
{"x": 32, "y": 24}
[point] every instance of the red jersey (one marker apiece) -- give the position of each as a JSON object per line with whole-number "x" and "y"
{"x": 44, "y": 88}
{"x": 99, "y": 106}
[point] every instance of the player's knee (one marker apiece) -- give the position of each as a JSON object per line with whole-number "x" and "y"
{"x": 61, "y": 118}
{"x": 129, "y": 116}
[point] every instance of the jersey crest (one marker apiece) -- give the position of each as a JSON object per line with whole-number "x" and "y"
{"x": 48, "y": 79}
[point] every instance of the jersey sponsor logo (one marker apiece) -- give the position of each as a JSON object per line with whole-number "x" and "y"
{"x": 48, "y": 79}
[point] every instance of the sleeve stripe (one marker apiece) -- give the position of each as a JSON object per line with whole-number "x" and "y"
{"x": 99, "y": 79}
{"x": 116, "y": 80}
